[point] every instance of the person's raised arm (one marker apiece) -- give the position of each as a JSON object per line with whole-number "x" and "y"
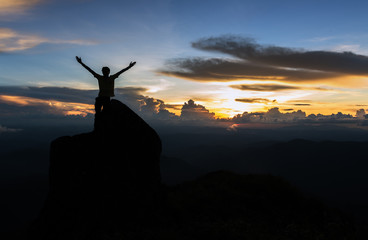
{"x": 131, "y": 64}
{"x": 79, "y": 59}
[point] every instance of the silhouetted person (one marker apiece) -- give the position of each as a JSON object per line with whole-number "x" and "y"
{"x": 105, "y": 83}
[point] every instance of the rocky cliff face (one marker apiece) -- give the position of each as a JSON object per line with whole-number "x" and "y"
{"x": 102, "y": 180}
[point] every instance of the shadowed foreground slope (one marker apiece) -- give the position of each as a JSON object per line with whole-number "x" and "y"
{"x": 106, "y": 185}
{"x": 102, "y": 180}
{"x": 225, "y": 205}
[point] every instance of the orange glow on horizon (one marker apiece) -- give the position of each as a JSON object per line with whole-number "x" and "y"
{"x": 65, "y": 108}
{"x": 222, "y": 109}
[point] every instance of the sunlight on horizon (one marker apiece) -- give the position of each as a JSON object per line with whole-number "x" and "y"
{"x": 66, "y": 108}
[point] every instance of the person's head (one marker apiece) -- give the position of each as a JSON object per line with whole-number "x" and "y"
{"x": 106, "y": 71}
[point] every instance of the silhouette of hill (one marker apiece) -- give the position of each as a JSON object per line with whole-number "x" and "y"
{"x": 175, "y": 170}
{"x": 335, "y": 171}
{"x": 225, "y": 205}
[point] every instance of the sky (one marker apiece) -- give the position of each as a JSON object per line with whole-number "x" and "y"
{"x": 229, "y": 57}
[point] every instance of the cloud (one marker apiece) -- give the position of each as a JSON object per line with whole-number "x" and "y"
{"x": 300, "y": 100}
{"x": 232, "y": 128}
{"x": 321, "y": 39}
{"x": 10, "y": 7}
{"x": 174, "y": 106}
{"x": 360, "y": 114}
{"x": 251, "y": 60}
{"x": 302, "y": 104}
{"x": 223, "y": 70}
{"x": 48, "y": 107}
{"x": 273, "y": 115}
{"x": 156, "y": 109}
{"x": 5, "y": 129}
{"x": 347, "y": 48}
{"x": 53, "y": 105}
{"x": 264, "y": 87}
{"x": 18, "y": 104}
{"x": 51, "y": 93}
{"x": 254, "y": 100}
{"x": 11, "y": 41}
{"x": 248, "y": 117}
{"x": 65, "y": 94}
{"x": 151, "y": 106}
{"x": 193, "y": 111}
{"x": 248, "y": 49}
{"x": 273, "y": 87}
{"x": 45, "y": 103}
{"x": 58, "y": 102}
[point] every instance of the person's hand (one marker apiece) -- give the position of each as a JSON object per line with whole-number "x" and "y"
{"x": 78, "y": 59}
{"x": 132, "y": 64}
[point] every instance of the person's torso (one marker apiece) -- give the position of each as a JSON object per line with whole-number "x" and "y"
{"x": 106, "y": 85}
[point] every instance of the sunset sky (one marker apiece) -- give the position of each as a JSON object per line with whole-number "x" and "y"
{"x": 230, "y": 56}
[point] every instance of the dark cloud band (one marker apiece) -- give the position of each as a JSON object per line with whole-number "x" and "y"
{"x": 254, "y": 100}
{"x": 302, "y": 104}
{"x": 264, "y": 87}
{"x": 254, "y": 61}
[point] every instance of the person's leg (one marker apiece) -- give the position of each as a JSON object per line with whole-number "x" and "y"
{"x": 105, "y": 101}
{"x": 98, "y": 105}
